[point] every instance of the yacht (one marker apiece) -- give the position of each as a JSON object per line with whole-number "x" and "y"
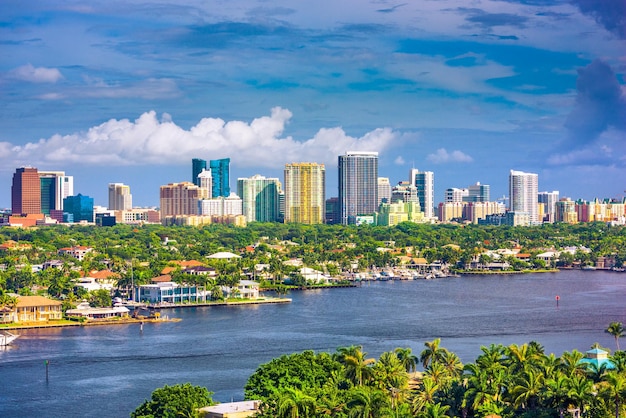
{"x": 7, "y": 338}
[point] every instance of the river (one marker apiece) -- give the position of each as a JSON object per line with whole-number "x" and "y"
{"x": 109, "y": 370}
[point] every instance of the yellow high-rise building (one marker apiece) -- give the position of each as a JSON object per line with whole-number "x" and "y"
{"x": 305, "y": 185}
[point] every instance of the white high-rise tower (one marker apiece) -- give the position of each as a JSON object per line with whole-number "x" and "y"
{"x": 425, "y": 183}
{"x": 523, "y": 194}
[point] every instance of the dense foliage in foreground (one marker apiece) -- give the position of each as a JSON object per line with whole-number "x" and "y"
{"x": 505, "y": 381}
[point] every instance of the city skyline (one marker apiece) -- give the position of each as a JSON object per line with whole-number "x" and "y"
{"x": 113, "y": 92}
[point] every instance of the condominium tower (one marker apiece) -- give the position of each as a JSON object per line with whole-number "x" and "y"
{"x": 179, "y": 199}
{"x": 305, "y": 185}
{"x": 523, "y": 194}
{"x": 120, "y": 197}
{"x": 425, "y": 183}
{"x": 261, "y": 198}
{"x": 55, "y": 186}
{"x": 26, "y": 191}
{"x": 220, "y": 171}
{"x": 358, "y": 185}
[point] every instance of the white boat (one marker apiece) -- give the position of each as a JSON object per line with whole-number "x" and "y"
{"x": 7, "y": 338}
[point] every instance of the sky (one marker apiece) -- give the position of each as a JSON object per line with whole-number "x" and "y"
{"x": 131, "y": 91}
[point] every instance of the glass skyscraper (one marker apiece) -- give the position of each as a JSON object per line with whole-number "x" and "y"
{"x": 358, "y": 185}
{"x": 220, "y": 170}
{"x": 197, "y": 165}
{"x": 260, "y": 195}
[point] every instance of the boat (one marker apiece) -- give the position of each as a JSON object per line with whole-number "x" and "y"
{"x": 7, "y": 338}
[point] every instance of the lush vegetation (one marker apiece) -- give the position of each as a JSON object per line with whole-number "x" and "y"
{"x": 139, "y": 253}
{"x": 174, "y": 402}
{"x": 505, "y": 381}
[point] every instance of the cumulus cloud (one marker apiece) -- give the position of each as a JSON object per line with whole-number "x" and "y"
{"x": 600, "y": 104}
{"x": 443, "y": 156}
{"x": 36, "y": 74}
{"x": 154, "y": 141}
{"x": 399, "y": 160}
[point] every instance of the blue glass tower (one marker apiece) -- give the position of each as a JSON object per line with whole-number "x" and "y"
{"x": 220, "y": 171}
{"x": 197, "y": 165}
{"x": 81, "y": 207}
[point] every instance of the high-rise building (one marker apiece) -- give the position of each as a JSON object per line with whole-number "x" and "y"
{"x": 478, "y": 193}
{"x": 26, "y": 191}
{"x": 220, "y": 170}
{"x": 221, "y": 206}
{"x": 197, "y": 165}
{"x": 305, "y": 185}
{"x": 405, "y": 192}
{"x": 549, "y": 200}
{"x": 120, "y": 197}
{"x": 384, "y": 190}
{"x": 260, "y": 195}
{"x": 179, "y": 199}
{"x": 523, "y": 194}
{"x": 79, "y": 207}
{"x": 55, "y": 186}
{"x": 425, "y": 183}
{"x": 455, "y": 195}
{"x": 332, "y": 210}
{"x": 358, "y": 185}
{"x": 204, "y": 180}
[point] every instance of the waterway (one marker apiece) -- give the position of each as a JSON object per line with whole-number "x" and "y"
{"x": 108, "y": 371}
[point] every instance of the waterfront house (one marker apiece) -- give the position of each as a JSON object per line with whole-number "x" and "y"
{"x": 170, "y": 292}
{"x": 248, "y": 289}
{"x": 36, "y": 309}
{"x": 84, "y": 310}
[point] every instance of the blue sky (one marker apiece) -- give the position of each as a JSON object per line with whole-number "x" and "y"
{"x": 131, "y": 91}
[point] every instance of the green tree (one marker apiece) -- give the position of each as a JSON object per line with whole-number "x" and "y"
{"x": 100, "y": 298}
{"x": 616, "y": 329}
{"x": 293, "y": 403}
{"x": 174, "y": 402}
{"x": 358, "y": 367}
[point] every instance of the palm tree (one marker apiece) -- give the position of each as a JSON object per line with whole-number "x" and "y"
{"x": 407, "y": 358}
{"x": 436, "y": 410}
{"x": 432, "y": 353}
{"x": 616, "y": 329}
{"x": 293, "y": 403}
{"x": 571, "y": 364}
{"x": 526, "y": 393}
{"x": 425, "y": 394}
{"x": 615, "y": 389}
{"x": 357, "y": 366}
{"x": 580, "y": 390}
{"x": 366, "y": 402}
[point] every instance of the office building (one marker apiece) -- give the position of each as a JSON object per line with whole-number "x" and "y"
{"x": 120, "y": 197}
{"x": 26, "y": 191}
{"x": 523, "y": 194}
{"x": 179, "y": 199}
{"x": 332, "y": 210}
{"x": 455, "y": 195}
{"x": 384, "y": 190}
{"x": 79, "y": 208}
{"x": 425, "y": 183}
{"x": 478, "y": 193}
{"x": 55, "y": 186}
{"x": 261, "y": 198}
{"x": 221, "y": 206}
{"x": 305, "y": 185}
{"x": 197, "y": 166}
{"x": 220, "y": 172}
{"x": 358, "y": 185}
{"x": 404, "y": 192}
{"x": 549, "y": 199}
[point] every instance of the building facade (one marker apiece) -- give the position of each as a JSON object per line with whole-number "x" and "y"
{"x": 549, "y": 199}
{"x": 220, "y": 172}
{"x": 305, "y": 185}
{"x": 197, "y": 166}
{"x": 179, "y": 199}
{"x": 358, "y": 185}
{"x": 425, "y": 183}
{"x": 384, "y": 190}
{"x": 26, "y": 191}
{"x": 55, "y": 186}
{"x": 79, "y": 207}
{"x": 120, "y": 197}
{"x": 523, "y": 194}
{"x": 261, "y": 198}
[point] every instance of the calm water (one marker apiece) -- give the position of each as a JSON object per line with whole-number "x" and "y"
{"x": 110, "y": 370}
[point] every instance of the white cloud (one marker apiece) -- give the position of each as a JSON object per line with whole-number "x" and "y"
{"x": 36, "y": 74}
{"x": 443, "y": 156}
{"x": 149, "y": 140}
{"x": 399, "y": 160}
